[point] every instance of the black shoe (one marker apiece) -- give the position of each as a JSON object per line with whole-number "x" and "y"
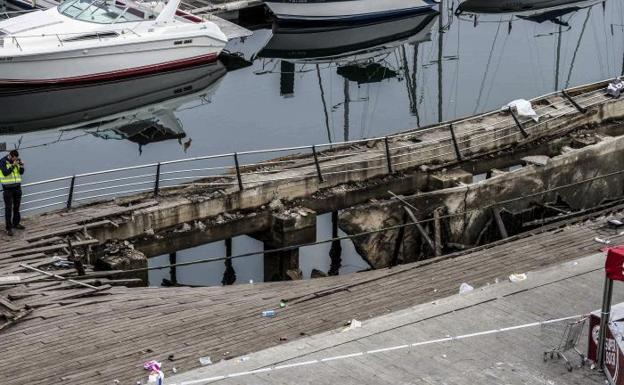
{"x": 19, "y": 227}
{"x": 10, "y": 232}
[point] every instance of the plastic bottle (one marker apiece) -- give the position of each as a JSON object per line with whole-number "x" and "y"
{"x": 268, "y": 313}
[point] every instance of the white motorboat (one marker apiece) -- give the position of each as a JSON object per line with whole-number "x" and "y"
{"x": 344, "y": 11}
{"x": 92, "y": 40}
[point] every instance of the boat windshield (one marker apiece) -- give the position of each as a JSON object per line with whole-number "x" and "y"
{"x": 99, "y": 11}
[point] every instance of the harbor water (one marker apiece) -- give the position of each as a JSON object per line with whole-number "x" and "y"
{"x": 307, "y": 86}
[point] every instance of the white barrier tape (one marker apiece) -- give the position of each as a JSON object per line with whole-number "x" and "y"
{"x": 376, "y": 351}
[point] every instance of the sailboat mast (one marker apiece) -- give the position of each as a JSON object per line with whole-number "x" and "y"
{"x": 440, "y": 57}
{"x": 557, "y": 66}
{"x": 347, "y": 100}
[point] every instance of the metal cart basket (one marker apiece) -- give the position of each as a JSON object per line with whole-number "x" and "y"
{"x": 569, "y": 341}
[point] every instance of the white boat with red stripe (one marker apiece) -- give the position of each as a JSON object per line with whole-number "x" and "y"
{"x": 91, "y": 40}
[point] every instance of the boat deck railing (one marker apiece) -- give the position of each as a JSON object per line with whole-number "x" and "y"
{"x": 245, "y": 169}
{"x": 68, "y": 37}
{"x": 8, "y": 14}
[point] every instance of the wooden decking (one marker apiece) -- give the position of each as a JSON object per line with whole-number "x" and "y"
{"x": 483, "y": 352}
{"x": 47, "y": 235}
{"x": 84, "y": 336}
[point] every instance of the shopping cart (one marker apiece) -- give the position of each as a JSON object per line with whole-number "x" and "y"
{"x": 569, "y": 341}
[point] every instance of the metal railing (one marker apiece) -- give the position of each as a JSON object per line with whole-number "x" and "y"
{"x": 251, "y": 168}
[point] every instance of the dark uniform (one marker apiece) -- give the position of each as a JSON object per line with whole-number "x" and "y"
{"x": 11, "y": 180}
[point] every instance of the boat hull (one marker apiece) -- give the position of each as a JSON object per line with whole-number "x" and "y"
{"x": 106, "y": 63}
{"x": 504, "y": 6}
{"x": 344, "y": 11}
{"x": 337, "y": 42}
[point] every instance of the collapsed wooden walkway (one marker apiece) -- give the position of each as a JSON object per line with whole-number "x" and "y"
{"x": 325, "y": 179}
{"x": 74, "y": 335}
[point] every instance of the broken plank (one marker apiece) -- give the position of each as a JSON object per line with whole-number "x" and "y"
{"x": 9, "y": 305}
{"x": 48, "y": 248}
{"x": 499, "y": 222}
{"x": 421, "y": 229}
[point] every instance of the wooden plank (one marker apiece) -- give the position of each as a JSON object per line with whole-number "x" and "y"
{"x": 437, "y": 231}
{"x": 499, "y": 222}
{"x": 421, "y": 230}
{"x": 9, "y": 305}
{"x": 48, "y": 248}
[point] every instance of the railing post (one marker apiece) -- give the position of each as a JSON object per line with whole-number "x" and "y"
{"x": 238, "y": 173}
{"x": 318, "y": 166}
{"x": 455, "y": 144}
{"x": 520, "y": 126}
{"x": 580, "y": 109}
{"x": 70, "y": 196}
{"x": 157, "y": 181}
{"x": 388, "y": 155}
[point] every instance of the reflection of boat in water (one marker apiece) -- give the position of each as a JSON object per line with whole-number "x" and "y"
{"x": 140, "y": 109}
{"x": 364, "y": 54}
{"x": 525, "y": 6}
{"x": 336, "y": 44}
{"x": 338, "y": 11}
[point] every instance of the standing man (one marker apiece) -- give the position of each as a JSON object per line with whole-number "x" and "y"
{"x": 11, "y": 171}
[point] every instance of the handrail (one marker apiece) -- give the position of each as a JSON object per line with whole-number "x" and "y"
{"x": 121, "y": 31}
{"x": 257, "y": 171}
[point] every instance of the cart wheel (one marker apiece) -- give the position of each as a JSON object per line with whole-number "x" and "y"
{"x": 583, "y": 360}
{"x": 552, "y": 355}
{"x": 568, "y": 366}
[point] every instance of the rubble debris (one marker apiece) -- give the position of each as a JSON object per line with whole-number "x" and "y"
{"x": 205, "y": 361}
{"x": 121, "y": 256}
{"x": 185, "y": 228}
{"x": 317, "y": 274}
{"x": 199, "y": 225}
{"x": 294, "y": 275}
{"x": 276, "y": 205}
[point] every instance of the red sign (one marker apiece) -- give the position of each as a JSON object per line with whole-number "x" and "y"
{"x": 613, "y": 357}
{"x": 614, "y": 267}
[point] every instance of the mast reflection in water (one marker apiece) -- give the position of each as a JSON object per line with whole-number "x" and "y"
{"x": 341, "y": 83}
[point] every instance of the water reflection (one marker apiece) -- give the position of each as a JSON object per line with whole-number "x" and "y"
{"x": 362, "y": 54}
{"x": 320, "y": 85}
{"x": 347, "y": 44}
{"x": 506, "y": 6}
{"x": 141, "y": 110}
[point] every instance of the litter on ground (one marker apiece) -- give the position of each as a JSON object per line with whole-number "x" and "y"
{"x": 465, "y": 288}
{"x": 518, "y": 277}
